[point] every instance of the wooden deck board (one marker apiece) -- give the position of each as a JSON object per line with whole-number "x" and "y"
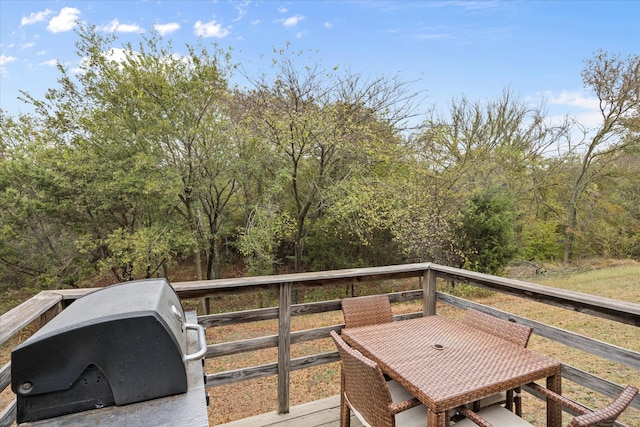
{"x": 319, "y": 413}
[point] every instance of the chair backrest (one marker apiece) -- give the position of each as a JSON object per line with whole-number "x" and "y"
{"x": 364, "y": 385}
{"x": 510, "y": 331}
{"x": 367, "y": 310}
{"x": 606, "y": 416}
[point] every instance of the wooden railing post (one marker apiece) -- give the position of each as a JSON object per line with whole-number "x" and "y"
{"x": 51, "y": 313}
{"x": 284, "y": 347}
{"x": 429, "y": 293}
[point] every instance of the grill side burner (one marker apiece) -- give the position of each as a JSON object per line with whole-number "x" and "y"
{"x": 122, "y": 344}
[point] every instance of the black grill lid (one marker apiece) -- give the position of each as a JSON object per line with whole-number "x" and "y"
{"x": 133, "y": 334}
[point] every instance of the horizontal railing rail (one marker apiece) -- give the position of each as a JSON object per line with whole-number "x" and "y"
{"x": 47, "y": 304}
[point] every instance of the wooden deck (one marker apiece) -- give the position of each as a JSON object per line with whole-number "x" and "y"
{"x": 319, "y": 413}
{"x": 44, "y": 306}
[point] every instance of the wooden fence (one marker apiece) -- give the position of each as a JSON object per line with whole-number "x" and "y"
{"x": 47, "y": 304}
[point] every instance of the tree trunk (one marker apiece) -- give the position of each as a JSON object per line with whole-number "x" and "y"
{"x": 570, "y": 233}
{"x": 298, "y": 255}
{"x": 214, "y": 264}
{"x": 198, "y": 265}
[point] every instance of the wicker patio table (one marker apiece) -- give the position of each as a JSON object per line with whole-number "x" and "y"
{"x": 446, "y": 363}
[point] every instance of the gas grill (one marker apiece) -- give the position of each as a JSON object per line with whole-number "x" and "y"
{"x": 121, "y": 345}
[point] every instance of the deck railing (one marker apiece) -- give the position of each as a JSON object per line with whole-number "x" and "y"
{"x": 47, "y": 304}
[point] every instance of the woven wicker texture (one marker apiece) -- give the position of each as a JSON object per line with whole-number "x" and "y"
{"x": 604, "y": 417}
{"x": 510, "y": 331}
{"x": 446, "y": 363}
{"x": 365, "y": 389}
{"x": 367, "y": 310}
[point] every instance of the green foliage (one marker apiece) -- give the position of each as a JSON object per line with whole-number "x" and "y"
{"x": 486, "y": 232}
{"x": 607, "y": 228}
{"x": 144, "y": 253}
{"x": 502, "y": 143}
{"x": 331, "y": 246}
{"x": 139, "y": 153}
{"x": 148, "y": 157}
{"x": 324, "y": 131}
{"x": 614, "y": 81}
{"x": 465, "y": 290}
{"x": 260, "y": 240}
{"x": 540, "y": 239}
{"x": 35, "y": 240}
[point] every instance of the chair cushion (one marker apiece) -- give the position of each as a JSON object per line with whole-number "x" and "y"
{"x": 358, "y": 414}
{"x": 498, "y": 416}
{"x": 414, "y": 417}
{"x": 398, "y": 393}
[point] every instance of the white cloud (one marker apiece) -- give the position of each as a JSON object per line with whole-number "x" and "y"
{"x": 4, "y": 60}
{"x": 165, "y": 29}
{"x": 283, "y": 9}
{"x": 50, "y": 63}
{"x": 328, "y": 25}
{"x": 129, "y": 28}
{"x": 116, "y": 27}
{"x": 292, "y": 21}
{"x": 64, "y": 21}
{"x": 584, "y": 109}
{"x": 433, "y": 36}
{"x": 573, "y": 99}
{"x": 210, "y": 29}
{"x": 35, "y": 17}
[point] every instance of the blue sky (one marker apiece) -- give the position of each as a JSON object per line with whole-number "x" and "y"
{"x": 452, "y": 48}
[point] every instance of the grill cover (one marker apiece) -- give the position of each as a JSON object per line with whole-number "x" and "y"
{"x": 122, "y": 344}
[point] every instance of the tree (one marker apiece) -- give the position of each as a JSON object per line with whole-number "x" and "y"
{"x": 36, "y": 245}
{"x": 183, "y": 102}
{"x": 627, "y": 195}
{"x": 319, "y": 130}
{"x": 502, "y": 143}
{"x": 145, "y": 139}
{"x": 180, "y": 106}
{"x": 486, "y": 233}
{"x": 260, "y": 240}
{"x": 609, "y": 214}
{"x": 496, "y": 142}
{"x": 616, "y": 84}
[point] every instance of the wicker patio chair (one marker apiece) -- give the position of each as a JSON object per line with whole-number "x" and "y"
{"x": 367, "y": 310}
{"x": 498, "y": 416}
{"x": 510, "y": 331}
{"x": 374, "y": 401}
